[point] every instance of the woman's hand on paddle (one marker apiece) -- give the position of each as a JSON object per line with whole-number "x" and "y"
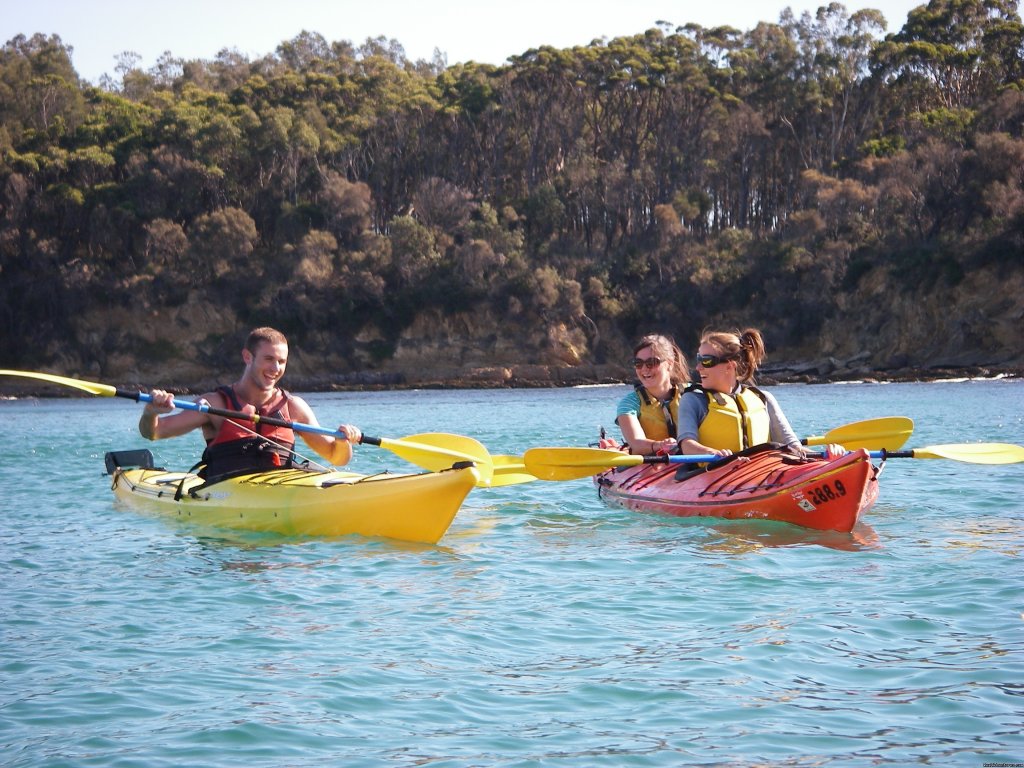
{"x": 834, "y": 451}
{"x": 663, "y": 447}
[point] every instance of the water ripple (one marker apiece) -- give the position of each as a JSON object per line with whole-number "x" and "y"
{"x": 545, "y": 629}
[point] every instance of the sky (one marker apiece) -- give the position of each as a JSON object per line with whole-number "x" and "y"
{"x": 484, "y": 31}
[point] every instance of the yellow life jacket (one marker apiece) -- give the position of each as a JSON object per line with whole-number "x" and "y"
{"x": 734, "y": 422}
{"x": 658, "y": 418}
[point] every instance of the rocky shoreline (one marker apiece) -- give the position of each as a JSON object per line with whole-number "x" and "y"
{"x": 827, "y": 371}
{"x": 584, "y": 375}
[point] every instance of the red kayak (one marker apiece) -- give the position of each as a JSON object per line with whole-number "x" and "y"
{"x": 772, "y": 485}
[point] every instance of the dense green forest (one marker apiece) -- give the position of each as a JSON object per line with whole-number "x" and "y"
{"x": 656, "y": 181}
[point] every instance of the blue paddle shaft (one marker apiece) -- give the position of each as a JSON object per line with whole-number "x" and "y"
{"x": 693, "y": 458}
{"x": 187, "y": 405}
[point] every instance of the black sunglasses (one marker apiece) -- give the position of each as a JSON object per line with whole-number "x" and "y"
{"x": 648, "y": 363}
{"x": 710, "y": 361}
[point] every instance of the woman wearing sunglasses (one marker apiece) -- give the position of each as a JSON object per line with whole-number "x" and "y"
{"x": 725, "y": 413}
{"x": 648, "y": 415}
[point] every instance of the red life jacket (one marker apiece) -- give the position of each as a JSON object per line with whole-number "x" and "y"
{"x": 235, "y": 449}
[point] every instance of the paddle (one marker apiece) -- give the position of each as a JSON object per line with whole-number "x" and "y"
{"x": 574, "y": 463}
{"x": 465, "y": 448}
{"x": 886, "y": 433}
{"x": 971, "y": 453}
{"x": 509, "y": 470}
{"x": 434, "y": 451}
{"x": 437, "y": 451}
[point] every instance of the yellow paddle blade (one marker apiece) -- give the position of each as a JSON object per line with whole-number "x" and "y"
{"x": 974, "y": 453}
{"x": 438, "y": 450}
{"x": 508, "y": 470}
{"x": 888, "y": 433}
{"x": 574, "y": 463}
{"x": 104, "y": 390}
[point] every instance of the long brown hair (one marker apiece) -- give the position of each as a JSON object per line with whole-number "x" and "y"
{"x": 666, "y": 348}
{"x": 745, "y": 347}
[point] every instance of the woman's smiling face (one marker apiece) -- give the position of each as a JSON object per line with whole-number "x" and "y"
{"x": 720, "y": 377}
{"x": 651, "y": 370}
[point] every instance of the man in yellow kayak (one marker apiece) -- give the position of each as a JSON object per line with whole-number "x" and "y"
{"x": 234, "y": 446}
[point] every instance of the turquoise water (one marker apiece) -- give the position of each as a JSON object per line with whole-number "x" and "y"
{"x": 544, "y": 629}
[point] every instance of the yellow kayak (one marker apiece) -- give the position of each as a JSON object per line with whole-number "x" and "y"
{"x": 299, "y": 502}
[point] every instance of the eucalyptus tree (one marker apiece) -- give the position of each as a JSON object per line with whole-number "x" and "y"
{"x": 647, "y": 103}
{"x": 753, "y": 166}
{"x": 395, "y": 105}
{"x": 835, "y": 113}
{"x": 304, "y": 52}
{"x": 688, "y": 101}
{"x": 40, "y": 92}
{"x": 541, "y": 97}
{"x": 957, "y": 52}
{"x": 228, "y": 71}
{"x": 953, "y": 66}
{"x": 471, "y": 128}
